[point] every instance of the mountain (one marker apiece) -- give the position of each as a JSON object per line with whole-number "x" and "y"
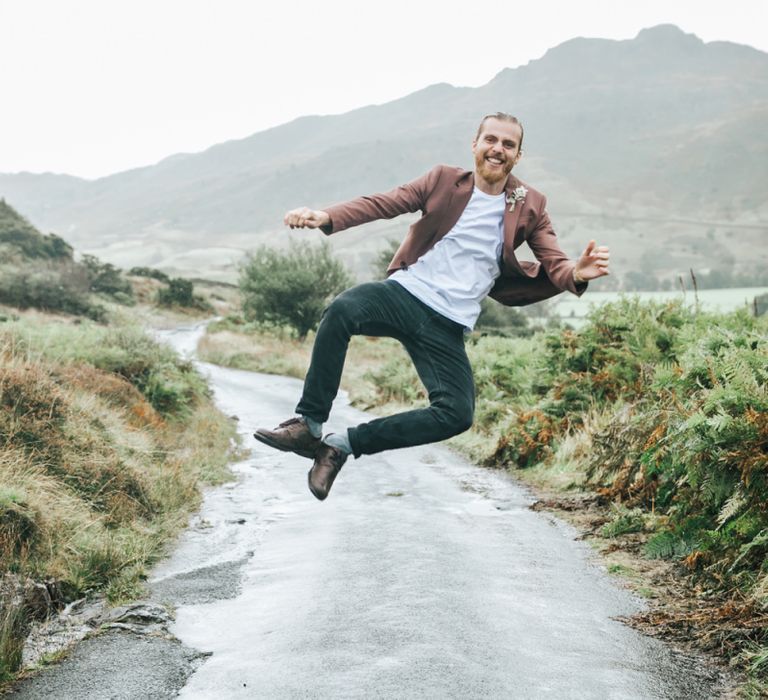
{"x": 655, "y": 145}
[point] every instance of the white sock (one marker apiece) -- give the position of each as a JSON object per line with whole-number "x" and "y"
{"x": 340, "y": 441}
{"x": 315, "y": 428}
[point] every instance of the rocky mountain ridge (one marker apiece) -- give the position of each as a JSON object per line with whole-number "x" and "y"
{"x": 651, "y": 144}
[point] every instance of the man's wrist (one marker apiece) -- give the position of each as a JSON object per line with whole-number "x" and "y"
{"x": 577, "y": 278}
{"x": 327, "y": 225}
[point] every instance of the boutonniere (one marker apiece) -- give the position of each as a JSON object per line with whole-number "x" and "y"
{"x": 517, "y": 195}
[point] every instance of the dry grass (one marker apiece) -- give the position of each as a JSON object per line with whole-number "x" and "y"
{"x": 275, "y": 353}
{"x": 223, "y": 298}
{"x": 93, "y": 479}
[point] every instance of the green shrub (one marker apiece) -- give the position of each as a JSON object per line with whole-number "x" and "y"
{"x": 396, "y": 380}
{"x": 49, "y": 286}
{"x": 623, "y": 521}
{"x": 382, "y": 259}
{"x": 150, "y": 272}
{"x": 502, "y": 320}
{"x": 527, "y": 438}
{"x": 181, "y": 292}
{"x": 291, "y": 287}
{"x": 105, "y": 278}
{"x": 685, "y": 430}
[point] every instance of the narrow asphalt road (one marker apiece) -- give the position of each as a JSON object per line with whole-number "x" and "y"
{"x": 421, "y": 576}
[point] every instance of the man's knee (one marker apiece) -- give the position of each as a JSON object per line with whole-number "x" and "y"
{"x": 464, "y": 418}
{"x": 342, "y": 308}
{"x": 348, "y": 305}
{"x": 456, "y": 416}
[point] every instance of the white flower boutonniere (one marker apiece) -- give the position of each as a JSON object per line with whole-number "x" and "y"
{"x": 518, "y": 195}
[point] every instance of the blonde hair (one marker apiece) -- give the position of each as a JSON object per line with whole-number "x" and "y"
{"x": 504, "y": 117}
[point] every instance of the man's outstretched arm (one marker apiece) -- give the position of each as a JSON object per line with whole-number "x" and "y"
{"x": 410, "y": 197}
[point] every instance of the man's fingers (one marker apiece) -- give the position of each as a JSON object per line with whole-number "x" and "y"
{"x": 596, "y": 254}
{"x": 298, "y": 218}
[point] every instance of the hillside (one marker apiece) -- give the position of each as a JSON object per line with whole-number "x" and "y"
{"x": 654, "y": 144}
{"x": 20, "y": 241}
{"x": 39, "y": 271}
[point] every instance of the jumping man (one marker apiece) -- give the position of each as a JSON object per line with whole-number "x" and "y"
{"x": 460, "y": 251}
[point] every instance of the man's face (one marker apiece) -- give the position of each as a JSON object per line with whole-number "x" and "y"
{"x": 496, "y": 150}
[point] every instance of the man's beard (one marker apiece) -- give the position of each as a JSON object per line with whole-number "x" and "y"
{"x": 493, "y": 175}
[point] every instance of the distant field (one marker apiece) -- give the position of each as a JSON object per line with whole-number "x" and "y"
{"x": 573, "y": 310}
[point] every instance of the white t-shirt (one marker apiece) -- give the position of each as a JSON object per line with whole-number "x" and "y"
{"x": 457, "y": 273}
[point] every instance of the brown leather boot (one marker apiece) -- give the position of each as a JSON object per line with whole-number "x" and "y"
{"x": 290, "y": 436}
{"x": 328, "y": 463}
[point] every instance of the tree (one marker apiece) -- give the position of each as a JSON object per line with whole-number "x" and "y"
{"x": 383, "y": 258}
{"x": 501, "y": 320}
{"x": 150, "y": 272}
{"x": 105, "y": 278}
{"x": 291, "y": 287}
{"x": 181, "y": 292}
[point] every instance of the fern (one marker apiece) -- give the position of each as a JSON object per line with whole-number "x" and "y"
{"x": 720, "y": 422}
{"x": 759, "y": 541}
{"x": 732, "y": 506}
{"x": 624, "y": 522}
{"x": 667, "y": 545}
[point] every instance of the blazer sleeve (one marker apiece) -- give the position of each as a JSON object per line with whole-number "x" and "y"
{"x": 407, "y": 198}
{"x": 557, "y": 265}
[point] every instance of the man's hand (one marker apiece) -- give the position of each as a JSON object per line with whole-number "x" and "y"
{"x": 306, "y": 218}
{"x": 592, "y": 264}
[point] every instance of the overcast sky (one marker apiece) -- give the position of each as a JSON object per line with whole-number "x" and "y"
{"x": 93, "y": 87}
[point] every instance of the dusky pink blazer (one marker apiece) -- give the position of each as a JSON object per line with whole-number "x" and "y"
{"x": 441, "y": 196}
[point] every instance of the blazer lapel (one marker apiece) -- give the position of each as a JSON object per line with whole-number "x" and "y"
{"x": 458, "y": 198}
{"x": 510, "y": 226}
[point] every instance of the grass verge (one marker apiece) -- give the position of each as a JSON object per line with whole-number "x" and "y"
{"x": 106, "y": 439}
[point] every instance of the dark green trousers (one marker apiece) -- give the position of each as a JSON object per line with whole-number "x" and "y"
{"x": 435, "y": 345}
